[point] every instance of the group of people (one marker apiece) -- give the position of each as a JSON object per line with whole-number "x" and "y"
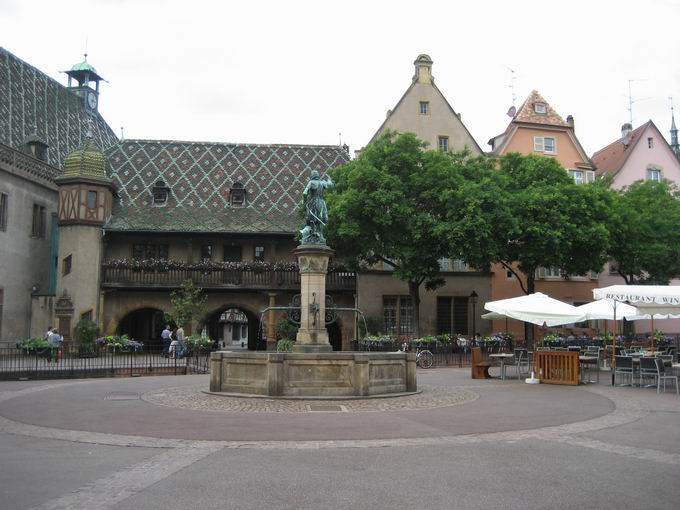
{"x": 173, "y": 342}
{"x": 54, "y": 340}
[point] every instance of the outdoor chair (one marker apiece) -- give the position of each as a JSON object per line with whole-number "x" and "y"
{"x": 647, "y": 370}
{"x": 667, "y": 360}
{"x": 662, "y": 376}
{"x": 624, "y": 366}
{"x": 521, "y": 362}
{"x": 480, "y": 369}
{"x": 590, "y": 365}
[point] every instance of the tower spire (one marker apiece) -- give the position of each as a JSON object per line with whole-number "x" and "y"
{"x": 674, "y": 132}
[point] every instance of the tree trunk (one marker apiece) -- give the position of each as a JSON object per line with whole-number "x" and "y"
{"x": 414, "y": 292}
{"x": 528, "y": 327}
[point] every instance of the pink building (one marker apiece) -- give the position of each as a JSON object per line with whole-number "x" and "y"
{"x": 640, "y": 154}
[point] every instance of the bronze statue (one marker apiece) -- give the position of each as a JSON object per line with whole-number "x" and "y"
{"x": 316, "y": 213}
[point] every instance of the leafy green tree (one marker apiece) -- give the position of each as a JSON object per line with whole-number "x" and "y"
{"x": 645, "y": 238}
{"x": 187, "y": 304}
{"x": 556, "y": 222}
{"x": 386, "y": 208}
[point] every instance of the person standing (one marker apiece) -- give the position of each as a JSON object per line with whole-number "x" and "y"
{"x": 53, "y": 341}
{"x": 165, "y": 336}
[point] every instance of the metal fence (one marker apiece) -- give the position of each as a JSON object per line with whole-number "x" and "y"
{"x": 74, "y": 362}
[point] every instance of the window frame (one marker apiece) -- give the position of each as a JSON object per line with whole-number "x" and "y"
{"x": 67, "y": 265}
{"x": 543, "y": 106}
{"x": 259, "y": 257}
{"x": 651, "y": 170}
{"x": 206, "y": 248}
{"x": 573, "y": 174}
{"x": 39, "y": 221}
{"x": 650, "y": 142}
{"x": 90, "y": 194}
{"x": 153, "y": 249}
{"x": 442, "y": 141}
{"x": 424, "y": 107}
{"x": 539, "y": 144}
{"x": 4, "y": 208}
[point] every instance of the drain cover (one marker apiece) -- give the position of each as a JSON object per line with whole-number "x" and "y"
{"x": 313, "y": 408}
{"x": 121, "y": 396}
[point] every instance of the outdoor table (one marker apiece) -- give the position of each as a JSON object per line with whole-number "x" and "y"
{"x": 587, "y": 362}
{"x": 502, "y": 356}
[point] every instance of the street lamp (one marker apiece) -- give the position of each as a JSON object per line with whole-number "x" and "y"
{"x": 473, "y": 300}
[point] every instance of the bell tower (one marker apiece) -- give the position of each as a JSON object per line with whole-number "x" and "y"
{"x": 85, "y": 75}
{"x": 85, "y": 201}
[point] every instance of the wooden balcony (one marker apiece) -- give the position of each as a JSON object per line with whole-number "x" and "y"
{"x": 217, "y": 279}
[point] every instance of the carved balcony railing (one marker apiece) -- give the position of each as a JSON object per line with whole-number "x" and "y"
{"x": 116, "y": 276}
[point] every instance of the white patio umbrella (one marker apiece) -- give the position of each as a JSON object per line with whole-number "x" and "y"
{"x": 651, "y": 301}
{"x": 536, "y": 308}
{"x": 604, "y": 310}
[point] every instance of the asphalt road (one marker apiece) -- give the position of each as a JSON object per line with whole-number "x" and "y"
{"x": 65, "y": 445}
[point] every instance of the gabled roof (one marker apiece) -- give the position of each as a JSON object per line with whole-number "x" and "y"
{"x": 408, "y": 90}
{"x": 33, "y": 103}
{"x": 200, "y": 176}
{"x": 527, "y": 112}
{"x": 527, "y": 117}
{"x": 612, "y": 158}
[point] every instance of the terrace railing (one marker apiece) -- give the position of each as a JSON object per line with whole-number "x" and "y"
{"x": 247, "y": 278}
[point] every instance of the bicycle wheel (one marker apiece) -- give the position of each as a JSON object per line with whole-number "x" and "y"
{"x": 426, "y": 358}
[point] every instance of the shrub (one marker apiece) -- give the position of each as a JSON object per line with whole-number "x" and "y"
{"x": 285, "y": 345}
{"x": 286, "y": 329}
{"x": 85, "y": 331}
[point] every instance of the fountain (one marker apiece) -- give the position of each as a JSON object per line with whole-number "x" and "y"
{"x": 313, "y": 370}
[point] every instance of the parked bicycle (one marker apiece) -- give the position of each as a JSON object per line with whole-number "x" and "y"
{"x": 424, "y": 358}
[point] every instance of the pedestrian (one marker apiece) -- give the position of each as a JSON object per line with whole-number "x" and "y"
{"x": 180, "y": 335}
{"x": 49, "y": 330}
{"x": 53, "y": 341}
{"x": 165, "y": 336}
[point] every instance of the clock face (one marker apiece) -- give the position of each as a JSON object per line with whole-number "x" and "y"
{"x": 92, "y": 100}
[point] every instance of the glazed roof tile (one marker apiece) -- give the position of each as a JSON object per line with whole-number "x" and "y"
{"x": 611, "y": 158}
{"x": 33, "y": 103}
{"x": 200, "y": 176}
{"x": 527, "y": 113}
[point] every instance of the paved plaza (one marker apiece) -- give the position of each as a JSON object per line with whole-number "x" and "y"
{"x": 162, "y": 442}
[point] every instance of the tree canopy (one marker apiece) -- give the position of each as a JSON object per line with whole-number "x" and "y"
{"x": 386, "y": 208}
{"x": 645, "y": 238}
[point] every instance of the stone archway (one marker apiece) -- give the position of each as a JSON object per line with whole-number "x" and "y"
{"x": 335, "y": 334}
{"x": 225, "y": 325}
{"x": 144, "y": 325}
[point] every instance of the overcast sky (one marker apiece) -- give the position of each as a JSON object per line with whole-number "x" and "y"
{"x": 305, "y": 71}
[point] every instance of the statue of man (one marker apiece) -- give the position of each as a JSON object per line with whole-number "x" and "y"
{"x": 316, "y": 213}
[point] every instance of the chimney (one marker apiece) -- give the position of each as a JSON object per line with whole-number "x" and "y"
{"x": 570, "y": 121}
{"x": 626, "y": 130}
{"x": 423, "y": 69}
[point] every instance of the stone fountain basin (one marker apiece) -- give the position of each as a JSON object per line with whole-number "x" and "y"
{"x": 313, "y": 375}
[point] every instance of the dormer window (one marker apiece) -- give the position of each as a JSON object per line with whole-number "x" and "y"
{"x": 160, "y": 194}
{"x": 237, "y": 195}
{"x": 539, "y": 108}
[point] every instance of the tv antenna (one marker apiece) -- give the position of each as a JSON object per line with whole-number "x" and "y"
{"x": 631, "y": 101}
{"x": 512, "y": 84}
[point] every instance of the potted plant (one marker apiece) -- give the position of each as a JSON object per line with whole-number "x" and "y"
{"x": 85, "y": 333}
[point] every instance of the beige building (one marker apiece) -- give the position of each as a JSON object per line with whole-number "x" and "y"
{"x": 424, "y": 110}
{"x": 455, "y": 307}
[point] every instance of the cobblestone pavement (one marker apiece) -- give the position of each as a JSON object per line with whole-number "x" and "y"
{"x": 195, "y": 398}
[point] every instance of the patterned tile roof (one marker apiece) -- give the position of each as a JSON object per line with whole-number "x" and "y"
{"x": 32, "y": 102}
{"x": 527, "y": 113}
{"x": 200, "y": 176}
{"x": 87, "y": 161}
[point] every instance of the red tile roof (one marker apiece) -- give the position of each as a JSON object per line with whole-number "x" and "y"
{"x": 611, "y": 158}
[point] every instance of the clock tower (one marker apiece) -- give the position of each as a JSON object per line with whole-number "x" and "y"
{"x": 85, "y": 75}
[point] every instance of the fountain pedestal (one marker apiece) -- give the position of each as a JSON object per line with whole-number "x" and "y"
{"x": 313, "y": 263}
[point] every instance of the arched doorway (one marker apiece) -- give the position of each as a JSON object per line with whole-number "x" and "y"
{"x": 335, "y": 335}
{"x": 232, "y": 327}
{"x": 144, "y": 325}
